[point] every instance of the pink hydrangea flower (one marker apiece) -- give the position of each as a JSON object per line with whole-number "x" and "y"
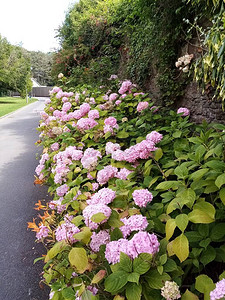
{"x": 98, "y": 239}
{"x": 133, "y": 223}
{"x": 43, "y": 232}
{"x": 95, "y": 186}
{"x": 93, "y": 114}
{"x": 62, "y": 190}
{"x": 103, "y": 196}
{"x": 111, "y": 147}
{"x": 57, "y": 204}
{"x": 185, "y": 111}
{"x": 65, "y": 231}
{"x": 142, "y": 197}
{"x": 66, "y": 106}
{"x": 86, "y": 123}
{"x": 118, "y": 102}
{"x": 113, "y": 97}
{"x": 111, "y": 121}
{"x": 84, "y": 109}
{"x": 113, "y": 250}
{"x": 56, "y": 89}
{"x": 154, "y": 137}
{"x": 105, "y": 174}
{"x": 118, "y": 155}
{"x": 219, "y": 291}
{"x": 90, "y": 159}
{"x": 55, "y": 146}
{"x": 92, "y": 210}
{"x": 142, "y": 105}
{"x": 123, "y": 173}
{"x": 125, "y": 87}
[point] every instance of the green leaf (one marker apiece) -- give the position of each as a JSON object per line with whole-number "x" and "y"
{"x": 170, "y": 265}
{"x": 222, "y": 195}
{"x": 56, "y": 249}
{"x": 133, "y": 277}
{"x": 115, "y": 281}
{"x": 122, "y": 134}
{"x": 222, "y": 276}
{"x": 215, "y": 165}
{"x": 68, "y": 293}
{"x": 155, "y": 280}
{"x": 182, "y": 221}
{"x": 133, "y": 291}
{"x": 158, "y": 154}
{"x": 181, "y": 172}
{"x": 203, "y": 212}
{"x": 141, "y": 265}
{"x": 208, "y": 255}
{"x": 188, "y": 197}
{"x": 78, "y": 258}
{"x": 114, "y": 220}
{"x": 166, "y": 185}
{"x": 204, "y": 285}
{"x": 220, "y": 180}
{"x": 84, "y": 235}
{"x": 198, "y": 174}
{"x": 180, "y": 247}
{"x": 87, "y": 295}
{"x": 217, "y": 232}
{"x": 125, "y": 262}
{"x": 116, "y": 234}
{"x": 77, "y": 220}
{"x": 163, "y": 259}
{"x": 98, "y": 218}
{"x": 170, "y": 227}
{"x": 189, "y": 296}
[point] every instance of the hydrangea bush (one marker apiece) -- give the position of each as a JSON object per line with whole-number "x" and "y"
{"x": 137, "y": 209}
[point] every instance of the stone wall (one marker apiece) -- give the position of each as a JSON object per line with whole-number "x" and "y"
{"x": 201, "y": 106}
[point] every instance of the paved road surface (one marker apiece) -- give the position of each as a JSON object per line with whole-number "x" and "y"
{"x": 19, "y": 278}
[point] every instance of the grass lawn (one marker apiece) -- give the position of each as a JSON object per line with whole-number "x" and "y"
{"x": 9, "y": 104}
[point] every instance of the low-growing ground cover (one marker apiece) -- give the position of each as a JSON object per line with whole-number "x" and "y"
{"x": 10, "y": 104}
{"x": 138, "y": 198}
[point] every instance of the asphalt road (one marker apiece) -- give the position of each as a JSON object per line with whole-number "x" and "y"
{"x": 19, "y": 278}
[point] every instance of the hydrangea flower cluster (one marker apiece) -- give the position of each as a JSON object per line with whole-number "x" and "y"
{"x": 86, "y": 123}
{"x": 66, "y": 230}
{"x": 55, "y": 147}
{"x": 103, "y": 196}
{"x": 57, "y": 204}
{"x": 133, "y": 223}
{"x": 43, "y": 232}
{"x": 170, "y": 291}
{"x": 142, "y": 197}
{"x": 113, "y": 96}
{"x": 90, "y": 159}
{"x": 142, "y": 242}
{"x": 184, "y": 62}
{"x": 219, "y": 291}
{"x": 123, "y": 173}
{"x": 94, "y": 209}
{"x": 141, "y": 150}
{"x": 62, "y": 190}
{"x": 98, "y": 239}
{"x": 63, "y": 160}
{"x": 41, "y": 165}
{"x": 185, "y": 111}
{"x": 106, "y": 173}
{"x": 111, "y": 147}
{"x": 142, "y": 105}
{"x": 125, "y": 87}
{"x": 93, "y": 114}
{"x": 110, "y": 125}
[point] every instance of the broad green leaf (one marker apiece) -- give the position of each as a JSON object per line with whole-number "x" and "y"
{"x": 208, "y": 255}
{"x": 115, "y": 281}
{"x": 133, "y": 277}
{"x": 114, "y": 220}
{"x": 68, "y": 293}
{"x": 116, "y": 234}
{"x": 188, "y": 197}
{"x": 203, "y": 212}
{"x": 222, "y": 276}
{"x": 155, "y": 280}
{"x": 182, "y": 221}
{"x": 181, "y": 171}
{"x": 215, "y": 164}
{"x": 198, "y": 174}
{"x": 170, "y": 265}
{"x": 200, "y": 151}
{"x": 141, "y": 265}
{"x": 77, "y": 220}
{"x": 84, "y": 235}
{"x": 125, "y": 262}
{"x": 204, "y": 285}
{"x": 56, "y": 249}
{"x": 98, "y": 218}
{"x": 158, "y": 154}
{"x": 222, "y": 195}
{"x": 118, "y": 297}
{"x": 133, "y": 291}
{"x": 78, "y": 258}
{"x": 180, "y": 247}
{"x": 170, "y": 227}
{"x": 163, "y": 259}
{"x": 166, "y": 185}
{"x": 217, "y": 232}
{"x": 122, "y": 134}
{"x": 220, "y": 180}
{"x": 189, "y": 296}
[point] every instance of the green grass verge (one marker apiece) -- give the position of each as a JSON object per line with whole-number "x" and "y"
{"x": 10, "y": 104}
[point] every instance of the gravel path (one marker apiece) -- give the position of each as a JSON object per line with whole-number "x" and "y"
{"x": 19, "y": 278}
